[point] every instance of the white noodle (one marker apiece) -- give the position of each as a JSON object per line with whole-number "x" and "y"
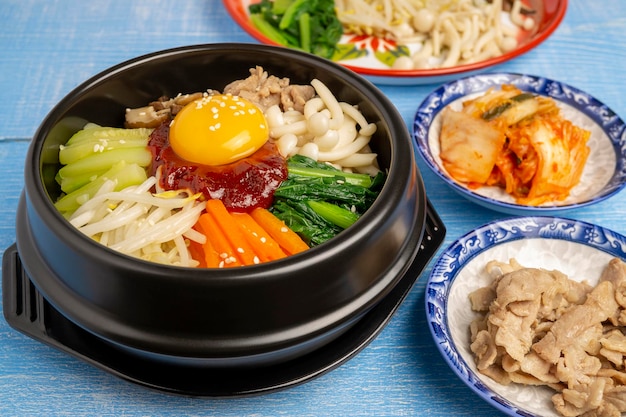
{"x": 345, "y": 151}
{"x": 357, "y": 160}
{"x": 297, "y": 128}
{"x": 326, "y": 131}
{"x": 331, "y": 103}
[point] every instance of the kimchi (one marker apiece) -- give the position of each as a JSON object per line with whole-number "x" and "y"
{"x": 514, "y": 140}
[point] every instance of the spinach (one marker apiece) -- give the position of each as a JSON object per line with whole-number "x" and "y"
{"x": 318, "y": 201}
{"x": 303, "y": 220}
{"x": 309, "y": 25}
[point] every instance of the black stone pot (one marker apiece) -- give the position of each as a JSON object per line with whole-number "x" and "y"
{"x": 248, "y": 316}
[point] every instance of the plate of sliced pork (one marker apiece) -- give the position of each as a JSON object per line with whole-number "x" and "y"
{"x": 529, "y": 312}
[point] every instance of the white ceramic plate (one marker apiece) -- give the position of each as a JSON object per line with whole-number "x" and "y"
{"x": 604, "y": 174}
{"x": 370, "y": 56}
{"x": 578, "y": 249}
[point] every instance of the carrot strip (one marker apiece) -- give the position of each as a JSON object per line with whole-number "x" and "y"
{"x": 231, "y": 231}
{"x": 288, "y": 240}
{"x": 206, "y": 251}
{"x": 196, "y": 250}
{"x": 217, "y": 243}
{"x": 264, "y": 246}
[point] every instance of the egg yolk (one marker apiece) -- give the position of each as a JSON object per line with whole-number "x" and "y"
{"x": 218, "y": 129}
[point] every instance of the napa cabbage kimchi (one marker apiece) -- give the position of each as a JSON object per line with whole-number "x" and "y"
{"x": 514, "y": 140}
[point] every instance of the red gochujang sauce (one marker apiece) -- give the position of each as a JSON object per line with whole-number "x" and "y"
{"x": 242, "y": 185}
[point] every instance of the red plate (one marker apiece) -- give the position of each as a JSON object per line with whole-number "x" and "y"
{"x": 549, "y": 15}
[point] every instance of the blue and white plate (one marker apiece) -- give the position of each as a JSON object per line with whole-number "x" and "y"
{"x": 580, "y": 250}
{"x": 604, "y": 174}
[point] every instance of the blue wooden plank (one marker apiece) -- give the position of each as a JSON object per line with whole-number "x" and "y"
{"x": 48, "y": 48}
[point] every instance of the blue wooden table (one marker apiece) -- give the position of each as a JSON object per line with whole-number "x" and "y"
{"x": 49, "y": 47}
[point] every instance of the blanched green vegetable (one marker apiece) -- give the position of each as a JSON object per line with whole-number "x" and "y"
{"x": 309, "y": 25}
{"x": 335, "y": 214}
{"x": 318, "y": 201}
{"x": 303, "y": 220}
{"x": 302, "y": 166}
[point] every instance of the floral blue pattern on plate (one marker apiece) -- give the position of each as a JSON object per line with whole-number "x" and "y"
{"x": 604, "y": 174}
{"x": 580, "y": 250}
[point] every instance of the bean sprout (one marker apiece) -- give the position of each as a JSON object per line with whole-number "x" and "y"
{"x": 134, "y": 221}
{"x": 447, "y": 32}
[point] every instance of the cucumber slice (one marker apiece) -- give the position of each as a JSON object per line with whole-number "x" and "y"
{"x": 123, "y": 173}
{"x": 102, "y": 161}
{"x": 74, "y": 183}
{"x": 96, "y": 133}
{"x": 70, "y": 154}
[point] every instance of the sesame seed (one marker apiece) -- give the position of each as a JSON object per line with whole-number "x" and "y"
{"x": 263, "y": 239}
{"x": 223, "y": 255}
{"x": 240, "y": 250}
{"x": 284, "y": 229}
{"x": 256, "y": 260}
